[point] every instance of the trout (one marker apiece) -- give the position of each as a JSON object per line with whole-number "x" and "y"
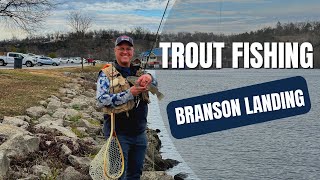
{"x": 153, "y": 89}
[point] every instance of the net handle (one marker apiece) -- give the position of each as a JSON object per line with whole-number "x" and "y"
{"x": 112, "y": 128}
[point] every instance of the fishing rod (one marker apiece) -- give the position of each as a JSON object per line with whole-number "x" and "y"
{"x": 157, "y": 36}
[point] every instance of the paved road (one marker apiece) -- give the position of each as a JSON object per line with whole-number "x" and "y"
{"x": 10, "y": 66}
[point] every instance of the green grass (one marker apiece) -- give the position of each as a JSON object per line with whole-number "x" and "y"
{"x": 75, "y": 118}
{"x": 76, "y": 107}
{"x": 21, "y": 89}
{"x": 24, "y": 88}
{"x": 77, "y": 132}
{"x": 91, "y": 156}
{"x": 94, "y": 122}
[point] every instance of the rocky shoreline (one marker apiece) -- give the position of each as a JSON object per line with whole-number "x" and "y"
{"x": 59, "y": 138}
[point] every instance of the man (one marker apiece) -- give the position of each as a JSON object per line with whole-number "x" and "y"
{"x": 128, "y": 102}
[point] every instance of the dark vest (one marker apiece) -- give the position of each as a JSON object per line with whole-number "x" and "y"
{"x": 134, "y": 121}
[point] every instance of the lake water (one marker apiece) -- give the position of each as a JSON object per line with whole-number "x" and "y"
{"x": 282, "y": 149}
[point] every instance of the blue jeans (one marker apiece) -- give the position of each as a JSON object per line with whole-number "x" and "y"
{"x": 134, "y": 149}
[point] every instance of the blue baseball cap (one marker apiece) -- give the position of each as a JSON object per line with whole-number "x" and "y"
{"x": 122, "y": 39}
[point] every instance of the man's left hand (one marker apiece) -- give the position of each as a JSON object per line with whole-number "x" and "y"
{"x": 144, "y": 80}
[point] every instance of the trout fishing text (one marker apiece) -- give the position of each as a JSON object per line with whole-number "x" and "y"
{"x": 244, "y": 54}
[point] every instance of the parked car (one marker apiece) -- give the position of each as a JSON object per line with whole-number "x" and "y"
{"x": 47, "y": 61}
{"x": 4, "y": 60}
{"x": 57, "y": 59}
{"x": 64, "y": 60}
{"x": 76, "y": 60}
{"x": 35, "y": 56}
{"x": 27, "y": 60}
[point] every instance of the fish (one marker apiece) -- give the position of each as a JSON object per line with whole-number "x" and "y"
{"x": 153, "y": 89}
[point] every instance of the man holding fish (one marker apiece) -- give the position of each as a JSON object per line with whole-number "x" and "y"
{"x": 122, "y": 88}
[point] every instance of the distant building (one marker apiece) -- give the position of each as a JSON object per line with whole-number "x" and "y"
{"x": 155, "y": 57}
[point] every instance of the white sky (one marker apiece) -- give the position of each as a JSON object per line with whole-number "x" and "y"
{"x": 227, "y": 16}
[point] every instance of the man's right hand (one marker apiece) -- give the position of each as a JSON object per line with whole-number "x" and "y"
{"x": 135, "y": 91}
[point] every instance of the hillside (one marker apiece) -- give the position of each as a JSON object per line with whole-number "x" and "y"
{"x": 100, "y": 44}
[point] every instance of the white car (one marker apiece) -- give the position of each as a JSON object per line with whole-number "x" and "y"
{"x": 47, "y": 61}
{"x": 4, "y": 60}
{"x": 57, "y": 60}
{"x": 64, "y": 60}
{"x": 27, "y": 60}
{"x": 76, "y": 60}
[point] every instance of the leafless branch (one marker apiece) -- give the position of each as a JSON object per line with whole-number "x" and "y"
{"x": 79, "y": 22}
{"x": 25, "y": 14}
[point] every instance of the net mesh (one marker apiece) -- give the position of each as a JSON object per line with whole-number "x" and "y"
{"x": 96, "y": 165}
{"x": 113, "y": 159}
{"x": 108, "y": 163}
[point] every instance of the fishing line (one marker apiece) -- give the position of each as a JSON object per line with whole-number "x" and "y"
{"x": 153, "y": 45}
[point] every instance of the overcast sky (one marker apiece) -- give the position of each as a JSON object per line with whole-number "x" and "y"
{"x": 238, "y": 16}
{"x": 219, "y": 16}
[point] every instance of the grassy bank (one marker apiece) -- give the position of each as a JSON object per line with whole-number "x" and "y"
{"x": 23, "y": 88}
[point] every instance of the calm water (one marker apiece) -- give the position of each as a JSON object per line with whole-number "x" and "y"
{"x": 282, "y": 149}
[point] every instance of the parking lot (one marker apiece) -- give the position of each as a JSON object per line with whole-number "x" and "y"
{"x": 11, "y": 66}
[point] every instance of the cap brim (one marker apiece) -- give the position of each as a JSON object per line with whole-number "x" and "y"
{"x": 123, "y": 42}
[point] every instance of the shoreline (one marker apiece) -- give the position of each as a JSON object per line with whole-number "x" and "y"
{"x": 168, "y": 150}
{"x": 62, "y": 135}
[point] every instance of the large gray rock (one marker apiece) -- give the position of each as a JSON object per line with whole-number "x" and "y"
{"x": 92, "y": 91}
{"x": 70, "y": 113}
{"x": 53, "y": 126}
{"x": 68, "y": 92}
{"x": 53, "y": 98}
{"x": 24, "y": 118}
{"x": 75, "y": 144}
{"x": 53, "y": 105}
{"x": 48, "y": 123}
{"x": 65, "y": 150}
{"x": 65, "y": 131}
{"x": 90, "y": 140}
{"x": 36, "y": 111}
{"x": 89, "y": 94}
{"x": 59, "y": 113}
{"x": 83, "y": 162}
{"x": 82, "y": 102}
{"x": 20, "y": 145}
{"x": 92, "y": 127}
{"x": 64, "y": 105}
{"x": 4, "y": 164}
{"x": 155, "y": 175}
{"x": 15, "y": 122}
{"x": 66, "y": 99}
{"x": 180, "y": 176}
{"x": 82, "y": 130}
{"x": 43, "y": 103}
{"x": 89, "y": 109}
{"x": 85, "y": 115}
{"x": 98, "y": 116}
{"x": 71, "y": 174}
{"x": 41, "y": 171}
{"x": 66, "y": 114}
{"x": 9, "y": 131}
{"x": 28, "y": 176}
{"x": 74, "y": 85}
{"x": 45, "y": 118}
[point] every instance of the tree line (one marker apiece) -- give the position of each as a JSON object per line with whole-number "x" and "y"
{"x": 29, "y": 15}
{"x": 99, "y": 44}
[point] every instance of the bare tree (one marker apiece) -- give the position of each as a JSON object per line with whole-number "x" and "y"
{"x": 25, "y": 14}
{"x": 79, "y": 22}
